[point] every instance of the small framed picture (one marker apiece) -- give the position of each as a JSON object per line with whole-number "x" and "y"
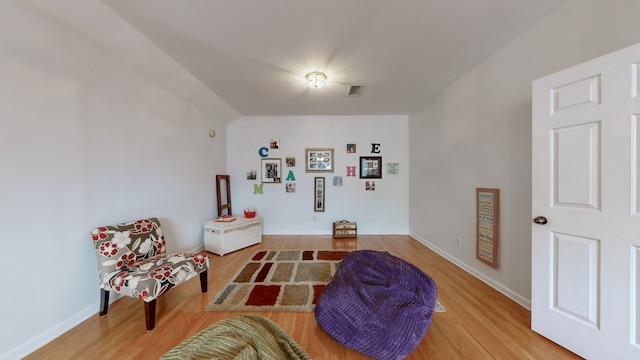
{"x": 271, "y": 170}
{"x": 337, "y": 181}
{"x": 351, "y": 148}
{"x": 370, "y": 186}
{"x": 487, "y": 225}
{"x": 290, "y": 187}
{"x": 370, "y": 167}
{"x": 291, "y": 161}
{"x": 393, "y": 169}
{"x": 319, "y": 159}
{"x": 318, "y": 193}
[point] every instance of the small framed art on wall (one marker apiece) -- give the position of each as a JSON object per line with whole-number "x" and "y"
{"x": 318, "y": 190}
{"x": 370, "y": 167}
{"x": 319, "y": 160}
{"x": 271, "y": 170}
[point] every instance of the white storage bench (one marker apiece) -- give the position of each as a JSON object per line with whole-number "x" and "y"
{"x": 225, "y": 237}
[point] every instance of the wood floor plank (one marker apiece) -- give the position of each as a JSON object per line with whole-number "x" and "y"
{"x": 480, "y": 323}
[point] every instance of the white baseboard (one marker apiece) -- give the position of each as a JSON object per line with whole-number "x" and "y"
{"x": 52, "y": 333}
{"x": 40, "y": 340}
{"x": 521, "y": 300}
{"x": 325, "y": 232}
{"x": 197, "y": 249}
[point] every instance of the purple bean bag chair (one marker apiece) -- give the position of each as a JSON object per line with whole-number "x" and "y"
{"x": 377, "y": 304}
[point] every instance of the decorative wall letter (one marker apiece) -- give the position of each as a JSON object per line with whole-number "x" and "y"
{"x": 263, "y": 152}
{"x": 257, "y": 189}
{"x": 290, "y": 176}
{"x": 351, "y": 171}
{"x": 375, "y": 148}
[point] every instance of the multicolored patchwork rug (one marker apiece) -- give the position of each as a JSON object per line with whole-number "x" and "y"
{"x": 279, "y": 280}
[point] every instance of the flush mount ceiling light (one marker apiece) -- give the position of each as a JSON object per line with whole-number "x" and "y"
{"x": 316, "y": 79}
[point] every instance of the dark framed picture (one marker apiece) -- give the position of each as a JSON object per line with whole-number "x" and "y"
{"x": 351, "y": 148}
{"x": 319, "y": 159}
{"x": 271, "y": 170}
{"x": 318, "y": 193}
{"x": 370, "y": 167}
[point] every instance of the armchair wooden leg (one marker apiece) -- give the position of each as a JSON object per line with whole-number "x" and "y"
{"x": 104, "y": 302}
{"x": 150, "y": 314}
{"x": 203, "y": 281}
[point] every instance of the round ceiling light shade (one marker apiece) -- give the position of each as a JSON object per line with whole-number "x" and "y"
{"x": 316, "y": 79}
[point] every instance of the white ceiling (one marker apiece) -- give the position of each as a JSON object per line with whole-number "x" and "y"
{"x": 254, "y": 53}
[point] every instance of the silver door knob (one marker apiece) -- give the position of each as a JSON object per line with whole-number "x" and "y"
{"x": 540, "y": 220}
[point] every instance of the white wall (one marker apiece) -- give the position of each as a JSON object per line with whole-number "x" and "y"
{"x": 85, "y": 141}
{"x": 477, "y": 133}
{"x": 383, "y": 211}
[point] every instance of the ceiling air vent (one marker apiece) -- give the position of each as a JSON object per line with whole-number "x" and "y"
{"x": 354, "y": 90}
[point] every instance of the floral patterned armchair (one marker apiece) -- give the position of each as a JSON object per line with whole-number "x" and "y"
{"x": 133, "y": 261}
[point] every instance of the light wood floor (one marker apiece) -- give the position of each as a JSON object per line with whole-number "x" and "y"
{"x": 480, "y": 323}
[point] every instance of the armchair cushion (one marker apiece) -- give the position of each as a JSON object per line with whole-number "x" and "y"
{"x": 133, "y": 260}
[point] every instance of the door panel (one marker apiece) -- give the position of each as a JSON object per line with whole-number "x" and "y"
{"x": 581, "y": 92}
{"x": 576, "y": 277}
{"x": 635, "y": 318}
{"x": 635, "y": 163}
{"x": 576, "y": 171}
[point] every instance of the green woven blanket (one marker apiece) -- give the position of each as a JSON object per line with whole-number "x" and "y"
{"x": 242, "y": 337}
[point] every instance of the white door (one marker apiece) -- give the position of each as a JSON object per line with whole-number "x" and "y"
{"x": 586, "y": 185}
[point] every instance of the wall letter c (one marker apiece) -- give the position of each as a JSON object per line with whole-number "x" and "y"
{"x": 263, "y": 152}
